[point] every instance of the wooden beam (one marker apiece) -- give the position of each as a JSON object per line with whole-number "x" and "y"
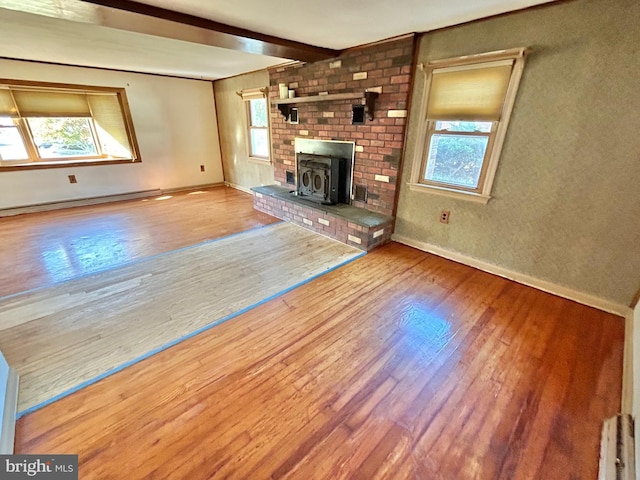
{"x": 146, "y": 19}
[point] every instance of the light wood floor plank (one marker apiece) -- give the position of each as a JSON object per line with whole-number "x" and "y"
{"x": 43, "y": 248}
{"x": 59, "y": 337}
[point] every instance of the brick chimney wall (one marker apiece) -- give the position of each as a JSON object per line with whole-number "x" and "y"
{"x": 379, "y": 143}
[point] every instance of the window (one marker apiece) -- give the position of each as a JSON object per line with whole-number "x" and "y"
{"x": 49, "y": 125}
{"x": 258, "y": 128}
{"x": 258, "y": 144}
{"x": 468, "y": 102}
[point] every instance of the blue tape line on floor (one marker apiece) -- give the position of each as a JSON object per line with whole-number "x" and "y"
{"x": 183, "y": 338}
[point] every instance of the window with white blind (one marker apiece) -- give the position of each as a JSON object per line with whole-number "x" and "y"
{"x": 257, "y": 122}
{"x": 467, "y": 105}
{"x": 48, "y": 125}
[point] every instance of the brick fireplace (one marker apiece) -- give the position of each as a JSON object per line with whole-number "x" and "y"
{"x": 383, "y": 68}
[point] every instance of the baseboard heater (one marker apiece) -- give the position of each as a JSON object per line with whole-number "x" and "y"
{"x": 617, "y": 449}
{"x": 79, "y": 202}
{"x": 8, "y": 406}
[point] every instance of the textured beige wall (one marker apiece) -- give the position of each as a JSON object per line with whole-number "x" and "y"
{"x": 567, "y": 196}
{"x": 232, "y": 126}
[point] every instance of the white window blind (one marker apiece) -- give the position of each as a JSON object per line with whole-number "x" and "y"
{"x": 54, "y": 124}
{"x": 252, "y": 94}
{"x": 7, "y": 107}
{"x": 110, "y": 125}
{"x": 33, "y": 103}
{"x": 469, "y": 93}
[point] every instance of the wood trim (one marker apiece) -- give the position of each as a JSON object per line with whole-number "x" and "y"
{"x": 217, "y": 112}
{"x": 420, "y": 143}
{"x": 549, "y": 287}
{"x": 128, "y": 121}
{"x": 319, "y": 98}
{"x": 380, "y": 42}
{"x": 503, "y": 124}
{"x": 43, "y": 165}
{"x": 478, "y": 58}
{"x": 626, "y": 398}
{"x": 9, "y": 408}
{"x": 72, "y": 87}
{"x": 459, "y": 193}
{"x": 260, "y": 160}
{"x": 109, "y": 69}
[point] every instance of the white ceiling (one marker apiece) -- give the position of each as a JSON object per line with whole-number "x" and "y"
{"x": 341, "y": 24}
{"x": 34, "y": 37}
{"x": 336, "y": 24}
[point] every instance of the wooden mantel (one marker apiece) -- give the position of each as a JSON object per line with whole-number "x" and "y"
{"x": 283, "y": 104}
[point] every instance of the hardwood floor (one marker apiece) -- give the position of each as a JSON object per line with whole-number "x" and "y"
{"x": 398, "y": 365}
{"x": 60, "y": 337}
{"x": 43, "y": 248}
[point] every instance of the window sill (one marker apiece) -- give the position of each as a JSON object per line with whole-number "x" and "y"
{"x": 65, "y": 164}
{"x": 450, "y": 192}
{"x": 261, "y": 161}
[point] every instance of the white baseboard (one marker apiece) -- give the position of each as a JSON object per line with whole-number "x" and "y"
{"x": 238, "y": 187}
{"x": 10, "y": 409}
{"x": 545, "y": 286}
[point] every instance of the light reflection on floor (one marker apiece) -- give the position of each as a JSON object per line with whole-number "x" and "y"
{"x": 425, "y": 329}
{"x": 91, "y": 246}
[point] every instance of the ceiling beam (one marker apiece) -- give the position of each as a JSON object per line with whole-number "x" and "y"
{"x": 150, "y": 20}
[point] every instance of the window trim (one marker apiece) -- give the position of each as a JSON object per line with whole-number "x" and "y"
{"x": 250, "y": 128}
{"x": 431, "y": 130}
{"x": 258, "y": 93}
{"x": 35, "y": 161}
{"x": 482, "y": 193}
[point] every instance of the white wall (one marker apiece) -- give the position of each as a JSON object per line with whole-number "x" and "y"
{"x": 175, "y": 123}
{"x": 634, "y": 376}
{"x": 4, "y": 377}
{"x": 7, "y": 425}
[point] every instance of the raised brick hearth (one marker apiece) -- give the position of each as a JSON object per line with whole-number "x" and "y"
{"x": 379, "y": 143}
{"x": 351, "y": 225}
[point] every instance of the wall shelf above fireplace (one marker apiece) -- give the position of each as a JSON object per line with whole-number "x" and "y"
{"x": 284, "y": 104}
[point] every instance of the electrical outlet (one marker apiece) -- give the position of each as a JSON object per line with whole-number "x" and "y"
{"x": 202, "y": 168}
{"x": 444, "y": 216}
{"x": 72, "y": 179}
